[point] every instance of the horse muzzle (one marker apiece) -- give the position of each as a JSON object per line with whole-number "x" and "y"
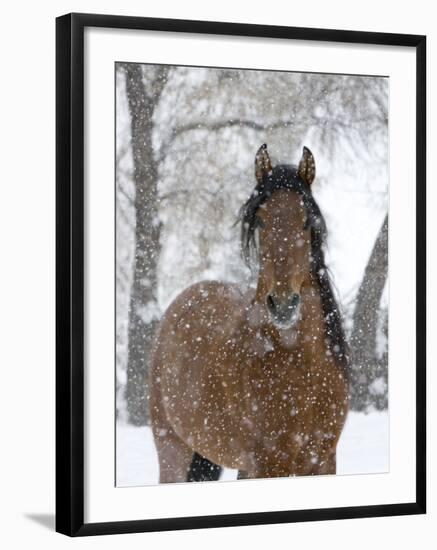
{"x": 284, "y": 312}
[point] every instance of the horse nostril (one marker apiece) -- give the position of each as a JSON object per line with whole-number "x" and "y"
{"x": 271, "y": 303}
{"x": 283, "y": 311}
{"x": 294, "y": 301}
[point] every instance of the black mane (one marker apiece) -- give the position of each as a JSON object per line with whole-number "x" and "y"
{"x": 286, "y": 177}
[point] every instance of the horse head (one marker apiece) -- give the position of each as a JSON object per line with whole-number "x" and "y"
{"x": 284, "y": 215}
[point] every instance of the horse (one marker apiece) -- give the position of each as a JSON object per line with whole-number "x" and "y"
{"x": 256, "y": 380}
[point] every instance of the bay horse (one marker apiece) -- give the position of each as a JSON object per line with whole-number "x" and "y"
{"x": 257, "y": 380}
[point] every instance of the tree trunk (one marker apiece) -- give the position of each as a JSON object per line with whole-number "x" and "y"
{"x": 143, "y": 308}
{"x": 366, "y": 367}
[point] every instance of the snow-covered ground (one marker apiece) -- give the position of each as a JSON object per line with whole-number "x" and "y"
{"x": 363, "y": 449}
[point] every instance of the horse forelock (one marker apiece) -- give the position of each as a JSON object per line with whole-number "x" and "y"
{"x": 283, "y": 176}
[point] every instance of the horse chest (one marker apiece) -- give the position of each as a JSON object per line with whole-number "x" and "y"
{"x": 288, "y": 394}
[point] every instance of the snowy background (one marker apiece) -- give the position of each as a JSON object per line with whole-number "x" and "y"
{"x": 363, "y": 449}
{"x": 186, "y": 140}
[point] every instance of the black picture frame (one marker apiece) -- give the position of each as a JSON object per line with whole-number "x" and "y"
{"x": 70, "y": 273}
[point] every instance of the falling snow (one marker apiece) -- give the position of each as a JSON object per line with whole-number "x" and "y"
{"x": 363, "y": 448}
{"x": 207, "y": 125}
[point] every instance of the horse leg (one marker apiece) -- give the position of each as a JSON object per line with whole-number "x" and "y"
{"x": 177, "y": 461}
{"x": 174, "y": 456}
{"x": 326, "y": 467}
{"x": 332, "y": 464}
{"x": 202, "y": 469}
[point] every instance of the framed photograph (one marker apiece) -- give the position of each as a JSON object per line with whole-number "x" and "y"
{"x": 240, "y": 274}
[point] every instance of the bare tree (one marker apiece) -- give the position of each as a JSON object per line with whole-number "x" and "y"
{"x": 143, "y": 308}
{"x": 368, "y": 372}
{"x": 205, "y": 125}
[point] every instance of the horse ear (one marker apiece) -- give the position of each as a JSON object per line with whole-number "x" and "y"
{"x": 263, "y": 165}
{"x": 307, "y": 167}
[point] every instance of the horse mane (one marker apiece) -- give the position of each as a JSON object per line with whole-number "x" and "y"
{"x": 286, "y": 177}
